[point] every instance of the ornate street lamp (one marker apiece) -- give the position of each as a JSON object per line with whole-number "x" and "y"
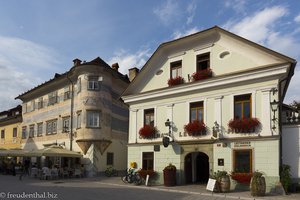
{"x": 274, "y": 107}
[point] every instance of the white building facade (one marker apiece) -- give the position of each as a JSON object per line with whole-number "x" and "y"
{"x": 238, "y": 81}
{"x": 80, "y": 110}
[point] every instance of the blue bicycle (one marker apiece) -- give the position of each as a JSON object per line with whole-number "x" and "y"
{"x": 132, "y": 177}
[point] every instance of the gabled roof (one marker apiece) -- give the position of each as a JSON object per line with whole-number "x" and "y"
{"x": 215, "y": 29}
{"x": 97, "y": 61}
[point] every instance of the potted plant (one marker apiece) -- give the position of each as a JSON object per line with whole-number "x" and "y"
{"x": 175, "y": 81}
{"x": 258, "y": 184}
{"x": 170, "y": 175}
{"x": 222, "y": 181}
{"x": 244, "y": 125}
{"x": 143, "y": 173}
{"x": 147, "y": 132}
{"x": 195, "y": 128}
{"x": 201, "y": 74}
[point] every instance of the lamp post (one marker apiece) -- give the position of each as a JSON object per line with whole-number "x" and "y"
{"x": 274, "y": 106}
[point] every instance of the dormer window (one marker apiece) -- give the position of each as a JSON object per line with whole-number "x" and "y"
{"x": 176, "y": 69}
{"x": 203, "y": 61}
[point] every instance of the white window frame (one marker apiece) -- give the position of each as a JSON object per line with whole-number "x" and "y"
{"x": 93, "y": 119}
{"x": 40, "y": 103}
{"x": 39, "y": 129}
{"x": 66, "y": 124}
{"x": 93, "y": 83}
{"x": 67, "y": 93}
{"x": 24, "y": 132}
{"x": 78, "y": 121}
{"x": 52, "y": 98}
{"x": 31, "y": 131}
{"x": 51, "y": 127}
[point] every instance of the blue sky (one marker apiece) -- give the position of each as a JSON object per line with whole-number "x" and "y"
{"x": 41, "y": 37}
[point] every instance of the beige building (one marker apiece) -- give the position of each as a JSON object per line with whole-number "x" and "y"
{"x": 10, "y": 128}
{"x": 81, "y": 111}
{"x": 216, "y": 97}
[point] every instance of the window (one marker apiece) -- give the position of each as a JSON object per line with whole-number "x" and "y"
{"x": 31, "y": 131}
{"x": 67, "y": 94}
{"x": 51, "y": 127}
{"x": 78, "y": 85}
{"x": 32, "y": 105}
{"x": 242, "y": 161}
{"x": 148, "y": 160}
{"x": 176, "y": 68}
{"x": 15, "y": 132}
{"x": 25, "y": 108}
{"x": 196, "y": 111}
{"x": 2, "y": 134}
{"x": 24, "y": 132}
{"x": 109, "y": 158}
{"x": 40, "y": 129}
{"x": 52, "y": 98}
{"x": 93, "y": 119}
{"x": 66, "y": 124}
{"x": 242, "y": 106}
{"x": 40, "y": 103}
{"x": 203, "y": 62}
{"x": 93, "y": 83}
{"x": 149, "y": 117}
{"x": 78, "y": 120}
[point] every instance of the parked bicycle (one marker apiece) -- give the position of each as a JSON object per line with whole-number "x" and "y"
{"x": 132, "y": 177}
{"x": 110, "y": 171}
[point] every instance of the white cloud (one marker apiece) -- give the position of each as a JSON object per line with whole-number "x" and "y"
{"x": 127, "y": 60}
{"x": 297, "y": 18}
{"x": 191, "y": 9}
{"x": 262, "y": 27}
{"x": 167, "y": 11}
{"x": 22, "y": 66}
{"x": 259, "y": 26}
{"x": 237, "y": 5}
{"x": 178, "y": 34}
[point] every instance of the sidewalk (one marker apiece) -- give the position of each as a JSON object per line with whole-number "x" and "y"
{"x": 197, "y": 190}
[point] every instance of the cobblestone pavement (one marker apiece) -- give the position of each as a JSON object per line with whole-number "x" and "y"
{"x": 114, "y": 188}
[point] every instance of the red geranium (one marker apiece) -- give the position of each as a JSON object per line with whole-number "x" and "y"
{"x": 147, "y": 132}
{"x": 175, "y": 81}
{"x": 242, "y": 177}
{"x": 195, "y": 128}
{"x": 244, "y": 125}
{"x": 202, "y": 74}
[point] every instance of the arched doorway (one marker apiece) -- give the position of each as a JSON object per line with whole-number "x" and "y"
{"x": 196, "y": 167}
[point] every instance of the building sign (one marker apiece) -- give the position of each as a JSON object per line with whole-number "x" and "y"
{"x": 221, "y": 162}
{"x": 242, "y": 144}
{"x": 211, "y": 184}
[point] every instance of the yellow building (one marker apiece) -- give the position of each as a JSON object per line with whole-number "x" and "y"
{"x": 10, "y": 123}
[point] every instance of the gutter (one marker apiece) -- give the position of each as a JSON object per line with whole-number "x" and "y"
{"x": 71, "y": 110}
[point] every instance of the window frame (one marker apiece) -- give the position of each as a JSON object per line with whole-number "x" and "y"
{"x": 40, "y": 103}
{"x": 93, "y": 84}
{"x": 3, "y": 134}
{"x": 203, "y": 60}
{"x": 148, "y": 112}
{"x": 78, "y": 120}
{"x": 15, "y": 132}
{"x": 176, "y": 65}
{"x": 93, "y": 113}
{"x": 196, "y": 108}
{"x": 31, "y": 131}
{"x": 67, "y": 93}
{"x": 66, "y": 120}
{"x": 250, "y": 159}
{"x": 39, "y": 129}
{"x": 242, "y": 105}
{"x": 24, "y": 132}
{"x": 52, "y": 98}
{"x": 78, "y": 85}
{"x": 53, "y": 129}
{"x": 110, "y": 158}
{"x": 147, "y": 160}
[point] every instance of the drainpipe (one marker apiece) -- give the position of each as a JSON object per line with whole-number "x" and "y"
{"x": 71, "y": 114}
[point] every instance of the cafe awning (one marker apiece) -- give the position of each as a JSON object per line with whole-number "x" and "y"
{"x": 12, "y": 152}
{"x": 53, "y": 151}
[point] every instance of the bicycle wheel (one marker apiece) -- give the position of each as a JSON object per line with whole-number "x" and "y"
{"x": 130, "y": 178}
{"x": 137, "y": 179}
{"x": 124, "y": 179}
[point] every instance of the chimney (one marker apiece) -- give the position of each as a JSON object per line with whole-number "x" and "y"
{"x": 76, "y": 62}
{"x": 115, "y": 66}
{"x": 133, "y": 73}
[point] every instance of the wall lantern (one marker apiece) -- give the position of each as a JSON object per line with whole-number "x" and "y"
{"x": 274, "y": 107}
{"x": 167, "y": 138}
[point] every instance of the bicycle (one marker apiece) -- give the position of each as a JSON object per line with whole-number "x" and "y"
{"x": 132, "y": 177}
{"x": 110, "y": 171}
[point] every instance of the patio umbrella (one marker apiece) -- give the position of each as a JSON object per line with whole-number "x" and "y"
{"x": 53, "y": 151}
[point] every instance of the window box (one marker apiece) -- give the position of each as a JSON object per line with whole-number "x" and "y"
{"x": 244, "y": 178}
{"x": 245, "y": 125}
{"x": 202, "y": 74}
{"x": 195, "y": 128}
{"x": 147, "y": 132}
{"x": 175, "y": 81}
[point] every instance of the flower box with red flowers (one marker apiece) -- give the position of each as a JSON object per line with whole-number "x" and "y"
{"x": 244, "y": 125}
{"x": 244, "y": 178}
{"x": 147, "y": 132}
{"x": 175, "y": 81}
{"x": 202, "y": 74}
{"x": 143, "y": 173}
{"x": 195, "y": 128}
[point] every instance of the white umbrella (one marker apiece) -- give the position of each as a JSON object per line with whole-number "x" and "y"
{"x": 53, "y": 151}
